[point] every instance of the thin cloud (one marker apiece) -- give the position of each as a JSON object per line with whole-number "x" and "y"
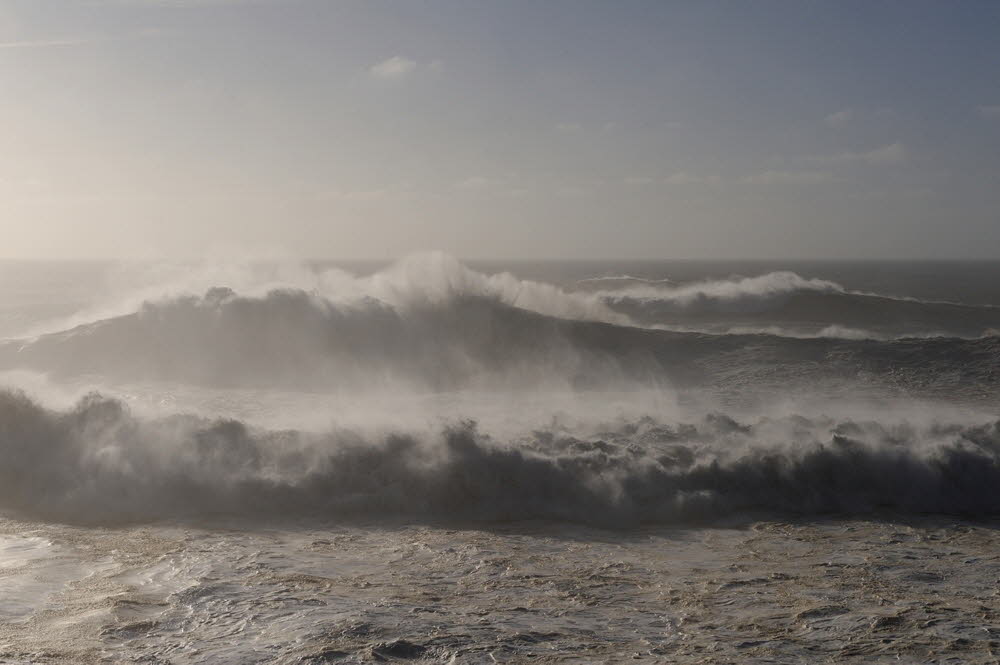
{"x": 787, "y": 178}
{"x": 354, "y": 195}
{"x": 395, "y": 67}
{"x": 894, "y": 153}
{"x": 44, "y": 43}
{"x": 180, "y": 4}
{"x": 479, "y": 183}
{"x": 840, "y": 118}
{"x": 989, "y": 111}
{"x": 684, "y": 178}
{"x": 571, "y": 191}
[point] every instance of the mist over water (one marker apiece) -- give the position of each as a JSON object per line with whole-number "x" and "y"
{"x": 350, "y": 461}
{"x": 99, "y": 463}
{"x": 433, "y": 390}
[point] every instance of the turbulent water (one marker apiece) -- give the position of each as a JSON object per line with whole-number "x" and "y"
{"x": 438, "y": 462}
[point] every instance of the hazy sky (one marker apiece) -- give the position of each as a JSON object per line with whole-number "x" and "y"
{"x": 503, "y": 129}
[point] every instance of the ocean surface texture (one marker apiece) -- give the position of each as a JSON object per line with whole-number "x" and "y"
{"x": 445, "y": 462}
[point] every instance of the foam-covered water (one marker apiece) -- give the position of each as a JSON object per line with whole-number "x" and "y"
{"x": 441, "y": 462}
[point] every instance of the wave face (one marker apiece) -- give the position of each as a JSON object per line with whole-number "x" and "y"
{"x": 786, "y": 303}
{"x": 294, "y": 339}
{"x": 99, "y": 463}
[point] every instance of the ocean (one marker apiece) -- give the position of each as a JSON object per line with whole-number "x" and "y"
{"x": 432, "y": 460}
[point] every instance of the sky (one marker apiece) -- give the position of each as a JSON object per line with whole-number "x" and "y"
{"x": 504, "y": 129}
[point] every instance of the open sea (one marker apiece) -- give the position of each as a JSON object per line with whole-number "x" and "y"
{"x": 436, "y": 461}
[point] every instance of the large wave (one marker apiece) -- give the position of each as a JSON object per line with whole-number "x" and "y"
{"x": 736, "y": 291}
{"x": 298, "y": 340}
{"x": 99, "y": 463}
{"x": 430, "y": 325}
{"x": 786, "y": 303}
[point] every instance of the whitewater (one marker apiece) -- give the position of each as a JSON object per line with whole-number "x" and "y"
{"x": 435, "y": 461}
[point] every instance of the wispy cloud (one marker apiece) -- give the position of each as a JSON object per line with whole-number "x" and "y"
{"x": 894, "y": 153}
{"x": 840, "y": 118}
{"x": 989, "y": 111}
{"x": 179, "y": 4}
{"x": 684, "y": 178}
{"x": 568, "y": 127}
{"x": 30, "y": 184}
{"x": 769, "y": 177}
{"x": 478, "y": 183}
{"x": 395, "y": 67}
{"x": 787, "y": 178}
{"x": 44, "y": 43}
{"x": 571, "y": 191}
{"x": 354, "y": 195}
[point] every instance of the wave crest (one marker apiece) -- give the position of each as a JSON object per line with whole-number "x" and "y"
{"x": 788, "y": 304}
{"x": 730, "y": 291}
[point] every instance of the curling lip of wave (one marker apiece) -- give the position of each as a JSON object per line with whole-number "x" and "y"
{"x": 99, "y": 463}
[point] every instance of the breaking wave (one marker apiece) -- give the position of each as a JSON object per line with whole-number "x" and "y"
{"x": 436, "y": 325}
{"x": 732, "y": 291}
{"x": 299, "y": 339}
{"x": 431, "y": 326}
{"x": 789, "y": 304}
{"x": 99, "y": 463}
{"x": 626, "y": 279}
{"x": 781, "y": 303}
{"x": 417, "y": 281}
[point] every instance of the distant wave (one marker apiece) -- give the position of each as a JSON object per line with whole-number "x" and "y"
{"x": 769, "y": 284}
{"x": 728, "y": 290}
{"x": 830, "y": 332}
{"x": 789, "y": 304}
{"x": 625, "y": 278}
{"x": 99, "y": 463}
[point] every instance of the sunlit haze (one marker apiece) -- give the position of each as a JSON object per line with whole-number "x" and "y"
{"x": 560, "y": 129}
